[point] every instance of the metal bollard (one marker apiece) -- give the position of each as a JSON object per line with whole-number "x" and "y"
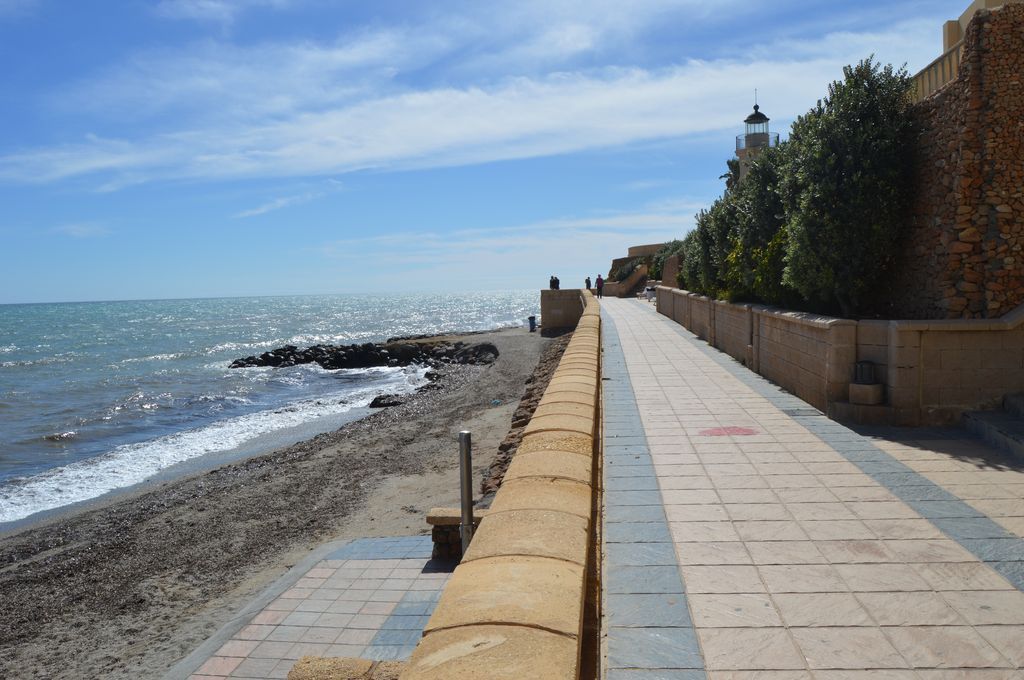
{"x": 466, "y": 474}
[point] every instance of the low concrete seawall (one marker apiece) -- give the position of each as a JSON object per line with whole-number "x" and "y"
{"x": 561, "y": 308}
{"x": 933, "y": 371}
{"x": 514, "y": 607}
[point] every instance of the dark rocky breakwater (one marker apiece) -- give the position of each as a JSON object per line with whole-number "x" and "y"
{"x": 391, "y": 353}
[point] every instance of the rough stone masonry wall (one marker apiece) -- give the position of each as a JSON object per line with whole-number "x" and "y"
{"x": 964, "y": 255}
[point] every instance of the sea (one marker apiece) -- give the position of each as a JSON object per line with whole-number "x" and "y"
{"x": 97, "y": 397}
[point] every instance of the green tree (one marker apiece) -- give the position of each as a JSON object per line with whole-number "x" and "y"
{"x": 847, "y": 187}
{"x": 756, "y": 260}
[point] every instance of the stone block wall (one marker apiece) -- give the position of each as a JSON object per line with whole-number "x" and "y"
{"x": 933, "y": 371}
{"x": 963, "y": 256}
{"x": 733, "y": 331}
{"x": 561, "y": 308}
{"x": 698, "y": 315}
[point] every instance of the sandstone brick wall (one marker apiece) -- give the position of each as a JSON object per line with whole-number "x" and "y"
{"x": 733, "y": 330}
{"x": 699, "y": 315}
{"x": 963, "y": 257}
{"x": 933, "y": 371}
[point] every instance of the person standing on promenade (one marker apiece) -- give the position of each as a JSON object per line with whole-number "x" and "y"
{"x": 599, "y": 284}
{"x": 551, "y": 283}
{"x": 588, "y": 283}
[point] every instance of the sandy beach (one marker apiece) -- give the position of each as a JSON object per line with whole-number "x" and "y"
{"x": 126, "y": 589}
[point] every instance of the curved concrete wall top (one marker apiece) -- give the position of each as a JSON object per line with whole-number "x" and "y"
{"x": 640, "y": 251}
{"x": 514, "y": 606}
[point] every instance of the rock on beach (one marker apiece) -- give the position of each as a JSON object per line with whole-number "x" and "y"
{"x": 367, "y": 355}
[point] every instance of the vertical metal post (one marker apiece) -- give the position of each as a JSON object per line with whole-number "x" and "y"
{"x": 466, "y": 474}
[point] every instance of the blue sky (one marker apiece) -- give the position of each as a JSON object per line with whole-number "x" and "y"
{"x": 193, "y": 148}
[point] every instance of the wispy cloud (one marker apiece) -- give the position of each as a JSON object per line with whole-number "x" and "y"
{"x": 311, "y": 109}
{"x": 82, "y": 230}
{"x": 494, "y": 256}
{"x": 277, "y": 204}
{"x": 10, "y": 8}
{"x": 217, "y": 11}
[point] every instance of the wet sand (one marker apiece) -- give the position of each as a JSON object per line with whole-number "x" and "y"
{"x": 127, "y": 587}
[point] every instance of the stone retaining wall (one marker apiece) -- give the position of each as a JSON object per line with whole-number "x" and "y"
{"x": 964, "y": 254}
{"x": 933, "y": 371}
{"x": 514, "y": 607}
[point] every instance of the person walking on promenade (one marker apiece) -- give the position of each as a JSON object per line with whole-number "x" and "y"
{"x": 599, "y": 284}
{"x": 588, "y": 283}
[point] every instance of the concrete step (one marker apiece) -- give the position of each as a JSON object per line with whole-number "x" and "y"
{"x": 1002, "y": 429}
{"x": 1014, "y": 403}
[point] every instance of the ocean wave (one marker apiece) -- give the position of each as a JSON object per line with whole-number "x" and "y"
{"x": 134, "y": 463}
{"x": 157, "y": 357}
{"x": 7, "y": 349}
{"x": 65, "y": 358}
{"x": 239, "y": 346}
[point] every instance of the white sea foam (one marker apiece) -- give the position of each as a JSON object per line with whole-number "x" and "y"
{"x": 156, "y": 357}
{"x": 134, "y": 463}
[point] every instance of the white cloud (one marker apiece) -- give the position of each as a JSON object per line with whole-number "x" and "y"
{"x": 515, "y": 256}
{"x": 217, "y": 11}
{"x": 277, "y": 204}
{"x": 82, "y": 230}
{"x": 9, "y": 8}
{"x": 309, "y": 110}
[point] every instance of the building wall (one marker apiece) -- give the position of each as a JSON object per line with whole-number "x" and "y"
{"x": 641, "y": 251}
{"x": 963, "y": 256}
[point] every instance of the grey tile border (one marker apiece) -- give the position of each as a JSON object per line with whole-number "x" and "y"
{"x": 654, "y": 647}
{"x": 984, "y": 538}
{"x": 657, "y": 674}
{"x": 650, "y": 634}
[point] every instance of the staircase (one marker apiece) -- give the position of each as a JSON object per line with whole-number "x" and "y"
{"x": 1003, "y": 428}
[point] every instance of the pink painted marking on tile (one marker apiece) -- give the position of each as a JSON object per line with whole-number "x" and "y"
{"x": 729, "y": 430}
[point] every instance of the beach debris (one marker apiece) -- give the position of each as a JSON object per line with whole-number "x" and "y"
{"x": 384, "y": 401}
{"x": 368, "y": 355}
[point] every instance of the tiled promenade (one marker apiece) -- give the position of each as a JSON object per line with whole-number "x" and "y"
{"x": 367, "y": 598}
{"x": 747, "y": 536}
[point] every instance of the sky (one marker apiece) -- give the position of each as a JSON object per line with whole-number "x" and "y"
{"x": 206, "y": 148}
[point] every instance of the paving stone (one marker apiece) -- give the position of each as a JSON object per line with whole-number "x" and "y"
{"x": 644, "y": 579}
{"x": 653, "y": 648}
{"x": 770, "y": 587}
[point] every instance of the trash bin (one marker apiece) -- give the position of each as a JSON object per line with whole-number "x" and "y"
{"x": 533, "y": 323}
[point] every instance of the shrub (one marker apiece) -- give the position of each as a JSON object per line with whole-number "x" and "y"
{"x": 694, "y": 258}
{"x": 846, "y": 190}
